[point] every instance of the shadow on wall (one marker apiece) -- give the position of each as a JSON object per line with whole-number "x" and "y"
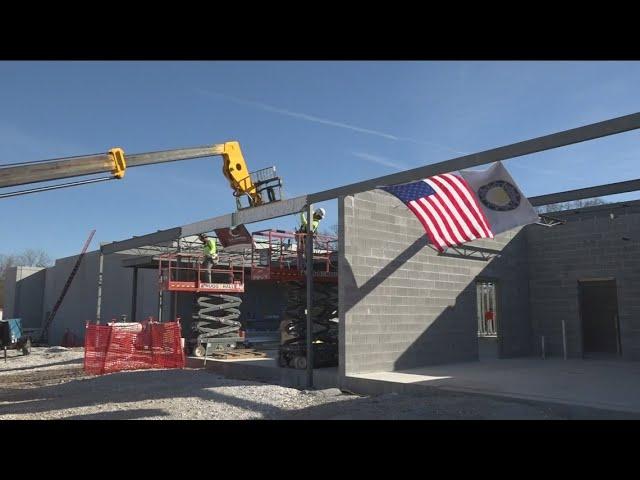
{"x": 453, "y": 335}
{"x": 450, "y": 335}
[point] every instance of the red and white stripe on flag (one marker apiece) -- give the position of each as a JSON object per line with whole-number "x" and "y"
{"x": 451, "y": 216}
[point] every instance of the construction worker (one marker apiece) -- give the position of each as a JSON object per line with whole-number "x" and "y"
{"x": 210, "y": 250}
{"x": 318, "y": 215}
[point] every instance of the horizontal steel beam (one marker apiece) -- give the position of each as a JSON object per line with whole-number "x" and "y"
{"x": 245, "y": 217}
{"x": 582, "y": 193}
{"x": 143, "y": 261}
{"x": 208, "y": 225}
{"x": 547, "y": 142}
{"x": 251, "y": 215}
{"x": 144, "y": 240}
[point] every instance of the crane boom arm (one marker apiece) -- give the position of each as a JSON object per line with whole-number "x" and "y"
{"x": 234, "y": 168}
{"x": 58, "y": 169}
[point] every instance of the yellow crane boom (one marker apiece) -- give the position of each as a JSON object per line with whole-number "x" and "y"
{"x": 252, "y": 185}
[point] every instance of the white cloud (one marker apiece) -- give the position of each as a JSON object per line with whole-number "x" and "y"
{"x": 323, "y": 121}
{"x": 381, "y": 161}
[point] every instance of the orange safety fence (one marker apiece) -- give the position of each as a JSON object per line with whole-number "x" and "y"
{"x": 131, "y": 346}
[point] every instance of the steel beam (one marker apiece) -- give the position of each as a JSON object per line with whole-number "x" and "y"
{"x": 256, "y": 214}
{"x": 144, "y": 240}
{"x": 286, "y": 207}
{"x": 243, "y": 217}
{"x": 539, "y": 144}
{"x": 208, "y": 225}
{"x": 582, "y": 193}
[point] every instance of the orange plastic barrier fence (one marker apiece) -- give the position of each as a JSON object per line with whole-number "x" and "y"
{"x": 131, "y": 346}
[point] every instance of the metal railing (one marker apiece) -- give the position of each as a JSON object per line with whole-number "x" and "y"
{"x": 279, "y": 250}
{"x": 189, "y": 267}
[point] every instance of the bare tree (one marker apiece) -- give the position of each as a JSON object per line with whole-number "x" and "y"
{"x": 34, "y": 258}
{"x": 7, "y": 261}
{"x": 332, "y": 231}
{"x": 557, "y": 207}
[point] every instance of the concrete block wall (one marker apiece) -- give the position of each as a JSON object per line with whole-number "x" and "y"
{"x": 23, "y": 294}
{"x": 80, "y": 302}
{"x": 403, "y": 306}
{"x": 590, "y": 245}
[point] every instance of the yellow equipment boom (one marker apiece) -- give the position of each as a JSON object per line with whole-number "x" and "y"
{"x": 244, "y": 183}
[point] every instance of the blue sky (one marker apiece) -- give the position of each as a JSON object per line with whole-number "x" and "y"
{"x": 322, "y": 124}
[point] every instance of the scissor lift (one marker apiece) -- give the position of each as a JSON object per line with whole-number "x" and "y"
{"x": 216, "y": 309}
{"x": 275, "y": 257}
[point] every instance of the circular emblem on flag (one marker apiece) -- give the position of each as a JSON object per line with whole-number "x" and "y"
{"x": 499, "y": 195}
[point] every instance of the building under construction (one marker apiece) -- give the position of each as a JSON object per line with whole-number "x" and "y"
{"x": 566, "y": 286}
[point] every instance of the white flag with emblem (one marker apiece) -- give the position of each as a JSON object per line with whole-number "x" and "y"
{"x": 502, "y": 202}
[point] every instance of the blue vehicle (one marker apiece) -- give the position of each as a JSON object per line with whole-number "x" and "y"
{"x": 12, "y": 336}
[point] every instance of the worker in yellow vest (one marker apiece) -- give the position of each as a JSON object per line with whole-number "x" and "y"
{"x": 318, "y": 215}
{"x": 210, "y": 251}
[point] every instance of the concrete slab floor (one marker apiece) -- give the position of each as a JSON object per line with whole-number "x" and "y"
{"x": 611, "y": 385}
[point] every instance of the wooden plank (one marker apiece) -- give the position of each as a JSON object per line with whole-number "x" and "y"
{"x": 238, "y": 354}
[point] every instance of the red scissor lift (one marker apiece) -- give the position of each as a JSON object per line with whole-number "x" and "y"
{"x": 183, "y": 272}
{"x": 275, "y": 257}
{"x": 215, "y": 323}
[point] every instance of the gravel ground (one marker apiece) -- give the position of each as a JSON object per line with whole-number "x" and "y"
{"x": 50, "y": 384}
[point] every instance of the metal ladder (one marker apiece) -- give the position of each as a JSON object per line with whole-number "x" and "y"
{"x": 45, "y": 330}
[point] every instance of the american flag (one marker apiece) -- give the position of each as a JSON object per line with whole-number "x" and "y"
{"x": 447, "y": 207}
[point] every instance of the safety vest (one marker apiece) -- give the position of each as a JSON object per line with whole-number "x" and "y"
{"x": 210, "y": 248}
{"x": 303, "y": 223}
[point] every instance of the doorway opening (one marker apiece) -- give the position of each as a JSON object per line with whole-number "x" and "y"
{"x": 599, "y": 317}
{"x": 487, "y": 318}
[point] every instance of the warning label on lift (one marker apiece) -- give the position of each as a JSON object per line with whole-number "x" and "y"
{"x": 220, "y": 286}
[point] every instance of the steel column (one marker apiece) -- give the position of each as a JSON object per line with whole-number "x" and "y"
{"x": 100, "y": 269}
{"x": 160, "y": 304}
{"x": 134, "y": 295}
{"x": 309, "y": 272}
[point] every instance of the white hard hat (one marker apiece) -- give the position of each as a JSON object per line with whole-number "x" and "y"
{"x": 320, "y": 212}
